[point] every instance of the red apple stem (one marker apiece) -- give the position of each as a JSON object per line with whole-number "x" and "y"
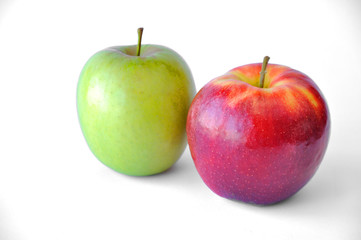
{"x": 140, "y": 33}
{"x": 263, "y": 71}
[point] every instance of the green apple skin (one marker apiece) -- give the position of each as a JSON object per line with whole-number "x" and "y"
{"x": 133, "y": 109}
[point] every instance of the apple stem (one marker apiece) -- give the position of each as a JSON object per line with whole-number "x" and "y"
{"x": 263, "y": 71}
{"x": 140, "y": 33}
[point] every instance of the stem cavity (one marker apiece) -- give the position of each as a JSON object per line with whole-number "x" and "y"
{"x": 263, "y": 71}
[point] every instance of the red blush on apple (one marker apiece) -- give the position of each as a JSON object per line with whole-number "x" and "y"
{"x": 258, "y": 133}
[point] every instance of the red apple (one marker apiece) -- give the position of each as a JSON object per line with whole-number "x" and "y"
{"x": 258, "y": 141}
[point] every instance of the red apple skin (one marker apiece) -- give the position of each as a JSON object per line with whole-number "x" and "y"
{"x": 258, "y": 145}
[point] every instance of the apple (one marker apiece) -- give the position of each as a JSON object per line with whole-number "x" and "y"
{"x": 258, "y": 133}
{"x": 132, "y": 104}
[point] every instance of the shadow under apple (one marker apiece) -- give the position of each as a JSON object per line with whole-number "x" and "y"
{"x": 331, "y": 194}
{"x": 182, "y": 175}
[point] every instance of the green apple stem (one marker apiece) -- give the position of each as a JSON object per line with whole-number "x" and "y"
{"x": 140, "y": 33}
{"x": 263, "y": 71}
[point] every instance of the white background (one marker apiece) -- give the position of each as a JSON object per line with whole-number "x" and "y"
{"x": 52, "y": 187}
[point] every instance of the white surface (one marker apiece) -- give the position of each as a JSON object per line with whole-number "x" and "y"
{"x": 52, "y": 187}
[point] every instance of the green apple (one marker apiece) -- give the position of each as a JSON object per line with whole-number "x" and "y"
{"x": 132, "y": 105}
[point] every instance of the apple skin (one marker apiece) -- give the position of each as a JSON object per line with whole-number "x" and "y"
{"x": 133, "y": 109}
{"x": 258, "y": 145}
